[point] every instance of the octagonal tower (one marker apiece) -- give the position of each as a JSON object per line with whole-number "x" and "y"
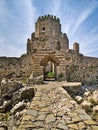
{"x": 47, "y": 35}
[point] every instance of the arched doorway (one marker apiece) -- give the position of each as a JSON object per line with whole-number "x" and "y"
{"x": 49, "y": 63}
{"x": 50, "y": 71}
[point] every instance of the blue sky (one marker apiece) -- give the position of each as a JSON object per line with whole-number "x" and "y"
{"x": 79, "y": 19}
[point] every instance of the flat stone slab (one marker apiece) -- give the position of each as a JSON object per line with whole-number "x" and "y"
{"x": 55, "y": 110}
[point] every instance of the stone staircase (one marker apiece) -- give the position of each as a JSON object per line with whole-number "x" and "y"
{"x": 38, "y": 69}
{"x": 52, "y": 108}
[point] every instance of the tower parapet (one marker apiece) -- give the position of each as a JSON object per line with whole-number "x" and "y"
{"x": 47, "y": 25}
{"x": 76, "y": 47}
{"x": 49, "y": 16}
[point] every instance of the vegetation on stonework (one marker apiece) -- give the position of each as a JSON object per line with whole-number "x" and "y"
{"x": 88, "y": 109}
{"x": 61, "y": 75}
{"x": 50, "y": 74}
{"x": 4, "y": 116}
{"x": 25, "y": 78}
{"x": 2, "y": 72}
{"x": 93, "y": 101}
{"x": 94, "y": 116}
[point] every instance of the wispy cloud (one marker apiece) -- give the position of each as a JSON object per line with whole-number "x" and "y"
{"x": 92, "y": 51}
{"x": 83, "y": 16}
{"x": 17, "y": 25}
{"x": 89, "y": 44}
{"x": 56, "y": 6}
{"x": 3, "y": 12}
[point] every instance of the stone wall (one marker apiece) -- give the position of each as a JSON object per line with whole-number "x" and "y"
{"x": 91, "y": 60}
{"x": 73, "y": 66}
{"x": 8, "y": 65}
{"x": 38, "y": 69}
{"x": 85, "y": 71}
{"x": 16, "y": 67}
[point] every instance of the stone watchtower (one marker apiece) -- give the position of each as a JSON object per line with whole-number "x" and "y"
{"x": 47, "y": 36}
{"x": 48, "y": 46}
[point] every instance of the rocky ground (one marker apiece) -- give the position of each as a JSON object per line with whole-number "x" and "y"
{"x": 88, "y": 99}
{"x": 47, "y": 106}
{"x": 15, "y": 97}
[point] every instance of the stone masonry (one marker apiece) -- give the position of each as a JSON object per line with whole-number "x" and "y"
{"x": 52, "y": 108}
{"x": 50, "y": 45}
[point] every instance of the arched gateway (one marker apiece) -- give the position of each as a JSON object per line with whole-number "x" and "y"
{"x": 50, "y": 63}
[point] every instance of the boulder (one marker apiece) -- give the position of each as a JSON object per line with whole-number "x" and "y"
{"x": 86, "y": 106}
{"x": 27, "y": 93}
{"x": 79, "y": 99}
{"x": 8, "y": 89}
{"x": 18, "y": 107}
{"x": 3, "y": 82}
{"x": 3, "y": 126}
{"x": 95, "y": 93}
{"x": 14, "y": 85}
{"x": 86, "y": 103}
{"x": 17, "y": 114}
{"x": 16, "y": 97}
{"x": 95, "y": 109}
{"x": 88, "y": 93}
{"x": 7, "y": 105}
{"x": 2, "y": 109}
{"x": 73, "y": 88}
{"x": 94, "y": 100}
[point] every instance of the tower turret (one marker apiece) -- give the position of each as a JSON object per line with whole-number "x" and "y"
{"x": 47, "y": 25}
{"x": 76, "y": 47}
{"x": 47, "y": 35}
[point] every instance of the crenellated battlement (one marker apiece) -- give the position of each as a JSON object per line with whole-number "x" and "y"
{"x": 49, "y": 16}
{"x": 47, "y": 25}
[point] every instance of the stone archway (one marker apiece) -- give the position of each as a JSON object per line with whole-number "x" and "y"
{"x": 49, "y": 63}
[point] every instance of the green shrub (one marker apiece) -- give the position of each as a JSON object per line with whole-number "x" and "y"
{"x": 50, "y": 74}
{"x": 94, "y": 116}
{"x": 93, "y": 101}
{"x": 25, "y": 79}
{"x": 87, "y": 109}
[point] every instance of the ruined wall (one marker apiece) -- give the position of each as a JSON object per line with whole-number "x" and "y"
{"x": 73, "y": 65}
{"x": 90, "y": 60}
{"x": 84, "y": 74}
{"x": 8, "y": 65}
{"x": 82, "y": 69}
{"x": 16, "y": 67}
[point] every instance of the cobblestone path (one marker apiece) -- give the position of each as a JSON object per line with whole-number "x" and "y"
{"x": 52, "y": 108}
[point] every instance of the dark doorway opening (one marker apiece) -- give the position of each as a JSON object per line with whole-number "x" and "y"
{"x": 49, "y": 63}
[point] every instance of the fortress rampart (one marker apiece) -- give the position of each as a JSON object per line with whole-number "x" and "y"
{"x": 49, "y": 16}
{"x": 48, "y": 41}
